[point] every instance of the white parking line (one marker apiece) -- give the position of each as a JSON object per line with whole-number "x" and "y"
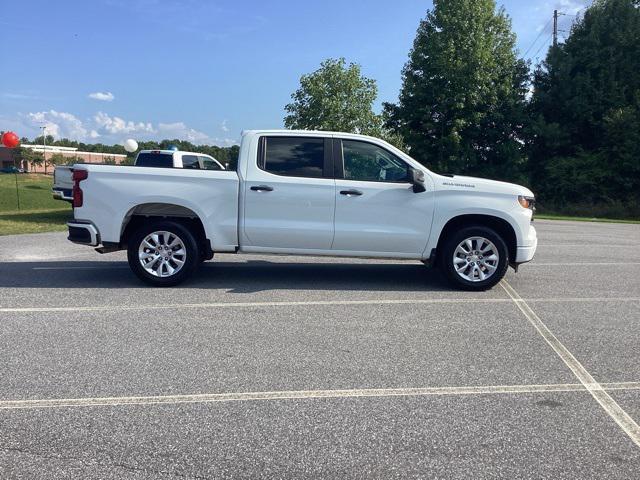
{"x": 621, "y": 386}
{"x": 583, "y": 245}
{"x": 255, "y": 304}
{"x": 578, "y": 264}
{"x": 605, "y": 400}
{"x": 107, "y": 267}
{"x": 303, "y": 394}
{"x": 532, "y": 264}
{"x": 408, "y": 301}
{"x": 46, "y": 258}
{"x": 584, "y": 299}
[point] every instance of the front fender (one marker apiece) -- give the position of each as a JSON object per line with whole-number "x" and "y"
{"x": 504, "y": 207}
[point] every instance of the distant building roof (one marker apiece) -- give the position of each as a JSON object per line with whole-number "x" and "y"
{"x": 57, "y": 149}
{"x": 50, "y": 148}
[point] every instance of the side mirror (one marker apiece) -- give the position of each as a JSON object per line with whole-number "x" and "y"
{"x": 416, "y": 177}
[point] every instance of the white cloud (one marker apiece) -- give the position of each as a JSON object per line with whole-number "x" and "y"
{"x": 18, "y": 96}
{"x": 183, "y": 132}
{"x": 116, "y": 125}
{"x": 224, "y": 126}
{"x": 109, "y": 129}
{"x": 572, "y": 7}
{"x": 103, "y": 96}
{"x": 224, "y": 142}
{"x": 59, "y": 124}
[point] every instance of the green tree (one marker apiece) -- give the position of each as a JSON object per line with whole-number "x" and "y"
{"x": 337, "y": 97}
{"x": 31, "y": 157}
{"x": 462, "y": 103}
{"x": 57, "y": 159}
{"x": 585, "y": 137}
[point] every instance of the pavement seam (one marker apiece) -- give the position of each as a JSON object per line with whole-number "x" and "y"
{"x": 613, "y": 409}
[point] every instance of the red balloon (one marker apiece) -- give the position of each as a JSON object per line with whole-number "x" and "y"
{"x": 10, "y": 140}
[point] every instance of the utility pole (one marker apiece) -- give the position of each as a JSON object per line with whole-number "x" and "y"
{"x": 44, "y": 147}
{"x": 555, "y": 28}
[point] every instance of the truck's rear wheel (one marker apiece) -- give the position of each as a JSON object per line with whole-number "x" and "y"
{"x": 475, "y": 258}
{"x": 163, "y": 253}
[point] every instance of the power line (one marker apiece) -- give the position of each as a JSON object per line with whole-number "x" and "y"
{"x": 542, "y": 46}
{"x": 537, "y": 38}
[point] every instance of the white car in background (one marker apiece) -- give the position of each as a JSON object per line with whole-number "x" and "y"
{"x": 302, "y": 193}
{"x": 63, "y": 181}
{"x": 177, "y": 159}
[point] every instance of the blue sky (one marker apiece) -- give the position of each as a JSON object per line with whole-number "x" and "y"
{"x": 107, "y": 70}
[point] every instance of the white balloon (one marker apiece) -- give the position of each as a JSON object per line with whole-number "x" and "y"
{"x": 130, "y": 145}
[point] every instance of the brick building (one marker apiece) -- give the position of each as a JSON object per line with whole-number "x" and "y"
{"x": 70, "y": 153}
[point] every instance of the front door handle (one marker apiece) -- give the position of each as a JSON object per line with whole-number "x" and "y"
{"x": 262, "y": 188}
{"x": 350, "y": 192}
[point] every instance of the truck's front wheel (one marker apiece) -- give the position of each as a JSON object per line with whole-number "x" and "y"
{"x": 163, "y": 253}
{"x": 475, "y": 258}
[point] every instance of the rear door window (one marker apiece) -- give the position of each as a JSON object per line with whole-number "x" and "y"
{"x": 294, "y": 156}
{"x": 154, "y": 159}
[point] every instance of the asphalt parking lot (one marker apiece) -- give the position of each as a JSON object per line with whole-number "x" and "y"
{"x": 293, "y": 367}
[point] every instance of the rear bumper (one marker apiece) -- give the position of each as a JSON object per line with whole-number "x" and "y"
{"x": 526, "y": 253}
{"x": 83, "y": 233}
{"x": 62, "y": 194}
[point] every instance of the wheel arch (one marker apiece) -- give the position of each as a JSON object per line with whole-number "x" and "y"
{"x": 147, "y": 212}
{"x": 501, "y": 226}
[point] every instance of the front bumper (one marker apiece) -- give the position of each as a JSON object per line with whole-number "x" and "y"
{"x": 83, "y": 233}
{"x": 525, "y": 254}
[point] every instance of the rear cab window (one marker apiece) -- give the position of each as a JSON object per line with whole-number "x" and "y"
{"x": 154, "y": 159}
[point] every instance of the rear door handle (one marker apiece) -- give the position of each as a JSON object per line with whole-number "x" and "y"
{"x": 262, "y": 188}
{"x": 350, "y": 192}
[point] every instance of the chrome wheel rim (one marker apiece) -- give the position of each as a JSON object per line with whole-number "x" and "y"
{"x": 162, "y": 254}
{"x": 475, "y": 259}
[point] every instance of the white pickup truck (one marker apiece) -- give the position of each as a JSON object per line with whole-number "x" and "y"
{"x": 305, "y": 193}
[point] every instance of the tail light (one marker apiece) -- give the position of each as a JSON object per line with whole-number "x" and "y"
{"x": 78, "y": 176}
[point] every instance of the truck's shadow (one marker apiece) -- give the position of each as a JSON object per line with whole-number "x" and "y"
{"x": 236, "y": 277}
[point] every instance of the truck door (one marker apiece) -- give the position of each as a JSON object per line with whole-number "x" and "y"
{"x": 376, "y": 208}
{"x": 289, "y": 196}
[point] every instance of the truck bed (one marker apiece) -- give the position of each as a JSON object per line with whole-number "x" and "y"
{"x": 113, "y": 193}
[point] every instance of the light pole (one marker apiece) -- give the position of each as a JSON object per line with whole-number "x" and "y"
{"x": 44, "y": 147}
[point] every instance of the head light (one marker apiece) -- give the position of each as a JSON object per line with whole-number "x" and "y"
{"x": 526, "y": 202}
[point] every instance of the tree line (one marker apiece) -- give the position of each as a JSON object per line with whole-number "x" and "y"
{"x": 569, "y": 129}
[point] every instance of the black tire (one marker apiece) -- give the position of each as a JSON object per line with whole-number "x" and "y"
{"x": 191, "y": 258}
{"x": 451, "y": 243}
